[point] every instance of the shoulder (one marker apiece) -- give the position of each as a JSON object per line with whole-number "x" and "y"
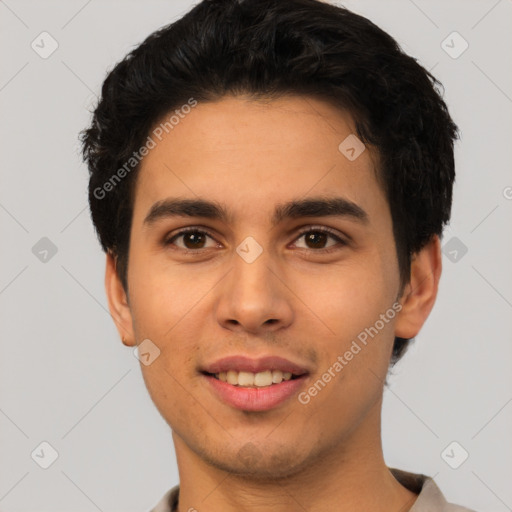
{"x": 433, "y": 499}
{"x": 430, "y": 498}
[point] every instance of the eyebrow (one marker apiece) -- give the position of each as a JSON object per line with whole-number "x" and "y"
{"x": 310, "y": 207}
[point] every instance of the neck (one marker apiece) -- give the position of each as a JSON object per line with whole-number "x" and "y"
{"x": 351, "y": 476}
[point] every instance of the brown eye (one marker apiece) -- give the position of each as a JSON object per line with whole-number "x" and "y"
{"x": 192, "y": 240}
{"x": 317, "y": 238}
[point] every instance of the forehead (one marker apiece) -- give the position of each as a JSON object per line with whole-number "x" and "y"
{"x": 248, "y": 154}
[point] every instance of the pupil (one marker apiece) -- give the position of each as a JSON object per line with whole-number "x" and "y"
{"x": 311, "y": 238}
{"x": 195, "y": 239}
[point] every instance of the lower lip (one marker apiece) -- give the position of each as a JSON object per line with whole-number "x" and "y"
{"x": 256, "y": 399}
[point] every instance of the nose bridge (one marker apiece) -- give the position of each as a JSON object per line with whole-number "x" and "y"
{"x": 253, "y": 297}
{"x": 252, "y": 275}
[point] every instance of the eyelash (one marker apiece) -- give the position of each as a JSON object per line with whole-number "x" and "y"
{"x": 312, "y": 229}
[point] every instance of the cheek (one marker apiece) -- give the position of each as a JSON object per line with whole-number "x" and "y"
{"x": 174, "y": 395}
{"x": 356, "y": 295}
{"x": 160, "y": 296}
{"x": 358, "y": 310}
{"x": 162, "y": 304}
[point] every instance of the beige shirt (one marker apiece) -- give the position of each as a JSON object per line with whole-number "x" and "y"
{"x": 430, "y": 498}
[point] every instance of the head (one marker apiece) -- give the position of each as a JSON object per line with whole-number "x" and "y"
{"x": 245, "y": 105}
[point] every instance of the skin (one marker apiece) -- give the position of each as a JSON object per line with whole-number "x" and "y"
{"x": 250, "y": 156}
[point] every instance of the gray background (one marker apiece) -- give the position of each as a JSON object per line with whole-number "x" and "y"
{"x": 65, "y": 377}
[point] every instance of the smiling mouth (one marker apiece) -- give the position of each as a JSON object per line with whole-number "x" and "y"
{"x": 262, "y": 379}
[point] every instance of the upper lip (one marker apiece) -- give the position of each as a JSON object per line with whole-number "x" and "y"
{"x": 246, "y": 364}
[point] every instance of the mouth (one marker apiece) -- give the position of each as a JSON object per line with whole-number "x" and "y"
{"x": 261, "y": 379}
{"x": 254, "y": 385}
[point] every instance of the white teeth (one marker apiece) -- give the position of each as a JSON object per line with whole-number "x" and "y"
{"x": 263, "y": 378}
{"x": 277, "y": 376}
{"x": 233, "y": 377}
{"x": 249, "y": 379}
{"x": 245, "y": 379}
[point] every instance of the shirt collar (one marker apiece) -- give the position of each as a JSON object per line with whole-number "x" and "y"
{"x": 429, "y": 498}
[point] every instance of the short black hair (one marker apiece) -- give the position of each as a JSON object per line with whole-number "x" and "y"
{"x": 267, "y": 49}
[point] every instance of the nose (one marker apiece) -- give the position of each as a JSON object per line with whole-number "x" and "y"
{"x": 254, "y": 297}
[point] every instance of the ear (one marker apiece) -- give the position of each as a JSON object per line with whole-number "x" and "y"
{"x": 118, "y": 302}
{"x": 420, "y": 293}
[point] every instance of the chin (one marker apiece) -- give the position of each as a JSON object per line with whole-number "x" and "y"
{"x": 259, "y": 465}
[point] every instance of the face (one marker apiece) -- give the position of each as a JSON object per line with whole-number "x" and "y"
{"x": 254, "y": 279}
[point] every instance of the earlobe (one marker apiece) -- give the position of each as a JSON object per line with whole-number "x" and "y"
{"x": 420, "y": 294}
{"x": 118, "y": 302}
